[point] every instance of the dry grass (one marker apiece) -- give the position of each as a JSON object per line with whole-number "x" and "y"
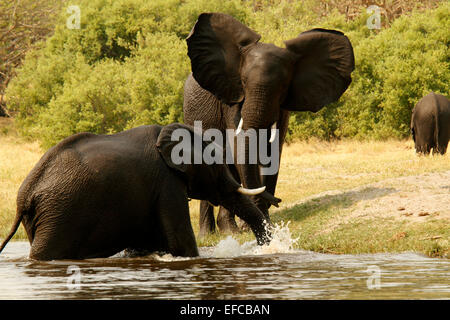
{"x": 17, "y": 158}
{"x": 310, "y": 168}
{"x": 314, "y": 167}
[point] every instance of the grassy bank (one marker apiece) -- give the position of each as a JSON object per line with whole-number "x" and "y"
{"x": 357, "y": 197}
{"x": 340, "y": 197}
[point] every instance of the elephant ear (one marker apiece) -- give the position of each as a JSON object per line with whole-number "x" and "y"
{"x": 170, "y": 137}
{"x": 323, "y": 69}
{"x": 181, "y": 146}
{"x": 215, "y": 45}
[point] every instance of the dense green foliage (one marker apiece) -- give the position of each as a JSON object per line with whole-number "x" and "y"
{"x": 395, "y": 68}
{"x": 127, "y": 64}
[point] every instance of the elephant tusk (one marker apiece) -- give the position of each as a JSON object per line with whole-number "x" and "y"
{"x": 251, "y": 192}
{"x": 273, "y": 132}
{"x": 239, "y": 128}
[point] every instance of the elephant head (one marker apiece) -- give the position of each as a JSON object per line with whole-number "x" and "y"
{"x": 228, "y": 60}
{"x": 211, "y": 182}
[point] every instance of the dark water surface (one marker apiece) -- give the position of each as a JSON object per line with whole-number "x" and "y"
{"x": 295, "y": 275}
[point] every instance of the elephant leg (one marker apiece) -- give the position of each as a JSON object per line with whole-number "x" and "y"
{"x": 443, "y": 137}
{"x": 175, "y": 221}
{"x": 43, "y": 247}
{"x": 443, "y": 147}
{"x": 226, "y": 221}
{"x": 53, "y": 241}
{"x": 207, "y": 223}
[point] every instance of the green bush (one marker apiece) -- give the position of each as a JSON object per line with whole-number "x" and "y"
{"x": 110, "y": 96}
{"x": 395, "y": 68}
{"x": 124, "y": 67}
{"x": 127, "y": 64}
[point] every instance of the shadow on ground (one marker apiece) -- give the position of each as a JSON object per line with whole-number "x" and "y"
{"x": 327, "y": 203}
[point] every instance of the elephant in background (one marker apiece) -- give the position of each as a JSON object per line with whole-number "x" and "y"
{"x": 240, "y": 83}
{"x": 430, "y": 124}
{"x": 95, "y": 195}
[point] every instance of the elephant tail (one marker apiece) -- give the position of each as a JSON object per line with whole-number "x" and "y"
{"x": 19, "y": 216}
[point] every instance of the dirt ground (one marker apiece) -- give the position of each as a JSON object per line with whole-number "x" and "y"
{"x": 415, "y": 198}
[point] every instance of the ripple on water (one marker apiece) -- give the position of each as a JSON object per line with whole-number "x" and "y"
{"x": 227, "y": 271}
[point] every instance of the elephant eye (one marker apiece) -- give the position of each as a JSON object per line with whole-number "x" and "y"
{"x": 243, "y": 81}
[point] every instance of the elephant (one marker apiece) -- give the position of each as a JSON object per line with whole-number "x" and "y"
{"x": 240, "y": 83}
{"x": 93, "y": 196}
{"x": 430, "y": 124}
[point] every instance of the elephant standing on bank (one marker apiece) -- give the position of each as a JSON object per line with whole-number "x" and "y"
{"x": 240, "y": 83}
{"x": 95, "y": 195}
{"x": 430, "y": 124}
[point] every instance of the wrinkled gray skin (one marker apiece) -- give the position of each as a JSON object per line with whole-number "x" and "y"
{"x": 235, "y": 76}
{"x": 94, "y": 195}
{"x": 430, "y": 124}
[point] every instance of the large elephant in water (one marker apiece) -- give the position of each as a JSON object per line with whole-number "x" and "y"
{"x": 240, "y": 83}
{"x": 430, "y": 124}
{"x": 95, "y": 195}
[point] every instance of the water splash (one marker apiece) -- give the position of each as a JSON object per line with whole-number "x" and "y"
{"x": 282, "y": 242}
{"x": 167, "y": 257}
{"x": 229, "y": 247}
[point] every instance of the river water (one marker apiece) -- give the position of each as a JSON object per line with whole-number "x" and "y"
{"x": 227, "y": 271}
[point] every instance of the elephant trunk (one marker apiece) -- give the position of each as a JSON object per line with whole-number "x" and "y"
{"x": 231, "y": 185}
{"x": 260, "y": 110}
{"x": 246, "y": 210}
{"x": 251, "y": 179}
